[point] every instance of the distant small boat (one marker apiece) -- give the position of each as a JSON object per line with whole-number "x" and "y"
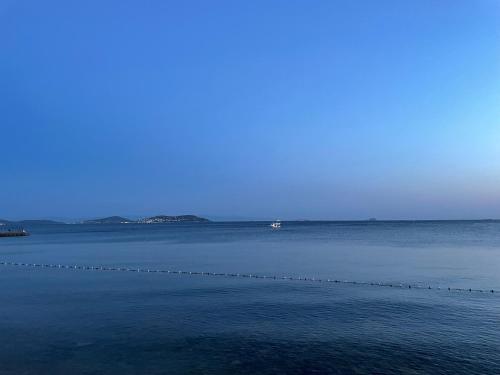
{"x": 276, "y": 224}
{"x": 14, "y": 233}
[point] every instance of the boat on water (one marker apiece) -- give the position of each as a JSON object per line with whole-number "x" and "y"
{"x": 14, "y": 233}
{"x": 276, "y": 224}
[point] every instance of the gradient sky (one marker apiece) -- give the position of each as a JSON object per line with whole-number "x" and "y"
{"x": 250, "y": 109}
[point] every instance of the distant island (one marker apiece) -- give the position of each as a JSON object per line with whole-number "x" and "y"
{"x": 29, "y": 222}
{"x": 172, "y": 219}
{"x": 109, "y": 220}
{"x": 148, "y": 220}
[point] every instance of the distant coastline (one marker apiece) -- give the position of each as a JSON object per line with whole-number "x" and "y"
{"x": 158, "y": 219}
{"x": 28, "y": 222}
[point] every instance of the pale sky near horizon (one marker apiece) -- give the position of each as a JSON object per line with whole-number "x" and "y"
{"x": 250, "y": 109}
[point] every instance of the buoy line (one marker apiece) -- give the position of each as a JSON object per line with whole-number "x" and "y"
{"x": 242, "y": 275}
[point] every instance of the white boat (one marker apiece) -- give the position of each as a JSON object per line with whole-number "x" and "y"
{"x": 276, "y": 224}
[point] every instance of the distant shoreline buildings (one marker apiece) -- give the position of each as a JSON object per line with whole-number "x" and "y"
{"x": 159, "y": 219}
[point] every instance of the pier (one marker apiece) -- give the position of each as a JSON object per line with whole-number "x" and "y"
{"x": 14, "y": 233}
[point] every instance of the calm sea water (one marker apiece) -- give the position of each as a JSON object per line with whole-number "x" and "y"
{"x": 57, "y": 321}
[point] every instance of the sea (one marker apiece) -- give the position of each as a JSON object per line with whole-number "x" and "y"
{"x": 365, "y": 297}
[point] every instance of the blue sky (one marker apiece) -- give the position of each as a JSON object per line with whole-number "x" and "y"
{"x": 250, "y": 109}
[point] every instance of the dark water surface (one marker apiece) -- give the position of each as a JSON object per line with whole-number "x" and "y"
{"x": 57, "y": 321}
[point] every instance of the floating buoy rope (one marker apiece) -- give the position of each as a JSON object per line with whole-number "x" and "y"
{"x": 243, "y": 275}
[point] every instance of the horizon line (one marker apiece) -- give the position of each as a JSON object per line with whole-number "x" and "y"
{"x": 79, "y": 221}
